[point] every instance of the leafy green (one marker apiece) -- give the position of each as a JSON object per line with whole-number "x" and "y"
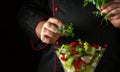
{"x": 68, "y": 63}
{"x": 98, "y": 4}
{"x": 66, "y": 29}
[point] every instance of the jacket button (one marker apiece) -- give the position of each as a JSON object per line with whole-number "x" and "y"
{"x": 56, "y": 8}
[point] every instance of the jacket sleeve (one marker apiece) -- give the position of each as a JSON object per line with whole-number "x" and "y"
{"x": 30, "y": 13}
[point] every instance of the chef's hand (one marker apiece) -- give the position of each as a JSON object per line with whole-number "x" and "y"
{"x": 46, "y": 30}
{"x": 113, "y": 9}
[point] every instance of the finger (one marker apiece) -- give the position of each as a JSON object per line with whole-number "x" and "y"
{"x": 110, "y": 8}
{"x": 109, "y": 3}
{"x": 106, "y": 5}
{"x": 46, "y": 39}
{"x": 116, "y": 0}
{"x": 49, "y": 33}
{"x": 115, "y": 11}
{"x": 116, "y": 23}
{"x": 117, "y": 16}
{"x": 55, "y": 21}
{"x": 50, "y": 26}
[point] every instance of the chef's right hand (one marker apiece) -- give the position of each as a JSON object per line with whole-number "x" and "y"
{"x": 46, "y": 30}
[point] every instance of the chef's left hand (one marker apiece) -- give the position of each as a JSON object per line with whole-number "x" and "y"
{"x": 113, "y": 9}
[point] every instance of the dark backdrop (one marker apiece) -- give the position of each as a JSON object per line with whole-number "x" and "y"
{"x": 17, "y": 53}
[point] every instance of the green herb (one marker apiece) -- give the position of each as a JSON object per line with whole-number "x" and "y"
{"x": 98, "y": 4}
{"x": 66, "y": 29}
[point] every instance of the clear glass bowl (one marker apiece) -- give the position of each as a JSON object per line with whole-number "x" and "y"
{"x": 78, "y": 56}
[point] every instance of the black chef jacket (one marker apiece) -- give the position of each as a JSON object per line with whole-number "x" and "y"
{"x": 86, "y": 27}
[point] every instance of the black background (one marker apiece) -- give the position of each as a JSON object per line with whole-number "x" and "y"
{"x": 16, "y": 53}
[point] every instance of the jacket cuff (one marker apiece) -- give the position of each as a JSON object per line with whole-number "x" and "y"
{"x": 37, "y": 43}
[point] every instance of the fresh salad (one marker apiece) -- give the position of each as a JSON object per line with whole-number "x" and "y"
{"x": 79, "y": 56}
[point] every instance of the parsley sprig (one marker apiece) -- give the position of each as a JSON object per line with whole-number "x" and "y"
{"x": 66, "y": 29}
{"x": 98, "y": 4}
